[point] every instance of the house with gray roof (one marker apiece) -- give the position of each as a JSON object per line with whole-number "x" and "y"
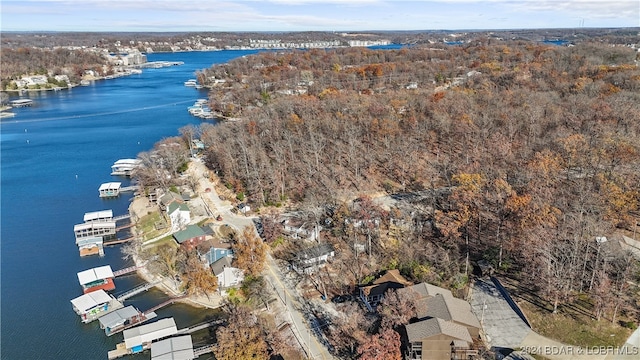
{"x": 438, "y": 339}
{"x": 445, "y": 328}
{"x": 228, "y": 276}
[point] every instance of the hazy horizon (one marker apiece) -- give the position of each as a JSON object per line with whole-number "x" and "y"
{"x": 313, "y": 15}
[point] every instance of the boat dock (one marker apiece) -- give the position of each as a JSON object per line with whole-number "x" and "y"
{"x": 21, "y": 102}
{"x": 124, "y": 167}
{"x": 110, "y": 189}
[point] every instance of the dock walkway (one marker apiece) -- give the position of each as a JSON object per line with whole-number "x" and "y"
{"x": 204, "y": 325}
{"x": 136, "y": 291}
{"x": 202, "y": 350}
{"x": 125, "y": 271}
{"x": 163, "y": 304}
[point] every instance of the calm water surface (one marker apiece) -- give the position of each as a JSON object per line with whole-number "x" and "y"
{"x": 54, "y": 156}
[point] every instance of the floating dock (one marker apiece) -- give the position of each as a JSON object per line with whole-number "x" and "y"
{"x": 99, "y": 278}
{"x": 94, "y": 304}
{"x": 122, "y": 319}
{"x": 124, "y": 167}
{"x": 110, "y": 189}
{"x": 140, "y": 338}
{"x": 21, "y": 102}
{"x": 177, "y": 347}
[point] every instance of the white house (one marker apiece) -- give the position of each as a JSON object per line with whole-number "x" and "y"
{"x": 179, "y": 214}
{"x": 308, "y": 260}
{"x": 228, "y": 276}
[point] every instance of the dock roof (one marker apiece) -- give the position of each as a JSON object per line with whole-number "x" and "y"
{"x": 94, "y": 215}
{"x": 95, "y": 225}
{"x": 147, "y": 333}
{"x": 118, "y": 317}
{"x": 95, "y": 274}
{"x": 88, "y": 301}
{"x": 175, "y": 348}
{"x": 110, "y": 186}
{"x": 89, "y": 241}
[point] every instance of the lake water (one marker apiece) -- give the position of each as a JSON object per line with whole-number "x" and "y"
{"x": 54, "y": 156}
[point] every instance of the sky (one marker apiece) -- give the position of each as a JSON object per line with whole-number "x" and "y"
{"x": 312, "y": 15}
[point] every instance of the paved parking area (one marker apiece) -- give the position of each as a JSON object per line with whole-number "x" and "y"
{"x": 503, "y": 328}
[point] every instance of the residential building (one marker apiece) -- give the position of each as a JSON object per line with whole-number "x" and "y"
{"x": 179, "y": 215}
{"x": 372, "y": 294}
{"x": 190, "y": 237}
{"x": 438, "y": 339}
{"x": 228, "y": 276}
{"x": 446, "y": 326}
{"x": 312, "y": 258}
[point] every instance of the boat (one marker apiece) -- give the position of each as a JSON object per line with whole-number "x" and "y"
{"x": 85, "y": 82}
{"x": 191, "y": 82}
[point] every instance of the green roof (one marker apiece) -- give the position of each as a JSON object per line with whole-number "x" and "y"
{"x": 190, "y": 232}
{"x": 176, "y": 205}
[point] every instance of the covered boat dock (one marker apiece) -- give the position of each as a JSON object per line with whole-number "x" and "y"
{"x": 179, "y": 347}
{"x": 94, "y": 304}
{"x": 110, "y": 189}
{"x": 121, "y": 319}
{"x": 96, "y": 279}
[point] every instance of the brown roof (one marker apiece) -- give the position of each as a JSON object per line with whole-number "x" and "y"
{"x": 391, "y": 279}
{"x": 451, "y": 309}
{"x": 392, "y": 276}
{"x": 425, "y": 329}
{"x": 425, "y": 290}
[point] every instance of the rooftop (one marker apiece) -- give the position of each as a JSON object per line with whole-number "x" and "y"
{"x": 175, "y": 348}
{"x": 95, "y": 274}
{"x": 189, "y": 232}
{"x": 432, "y": 327}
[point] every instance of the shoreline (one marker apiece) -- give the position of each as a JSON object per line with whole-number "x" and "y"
{"x": 213, "y": 301}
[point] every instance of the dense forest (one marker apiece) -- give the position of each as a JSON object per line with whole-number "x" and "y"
{"x": 520, "y": 154}
{"x": 36, "y": 61}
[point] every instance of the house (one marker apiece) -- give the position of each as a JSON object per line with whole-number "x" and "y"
{"x": 214, "y": 249}
{"x": 299, "y": 229}
{"x": 308, "y": 260}
{"x": 372, "y": 294}
{"x": 190, "y": 237}
{"x": 445, "y": 328}
{"x": 438, "y": 339}
{"x": 244, "y": 208}
{"x": 228, "y": 276}
{"x": 168, "y": 198}
{"x": 179, "y": 215}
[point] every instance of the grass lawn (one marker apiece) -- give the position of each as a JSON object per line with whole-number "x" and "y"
{"x": 569, "y": 328}
{"x": 572, "y": 324}
{"x": 147, "y": 225}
